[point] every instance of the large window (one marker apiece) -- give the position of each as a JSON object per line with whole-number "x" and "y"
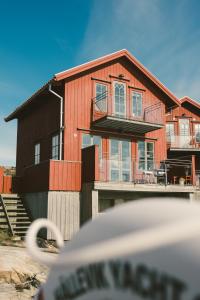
{"x": 120, "y": 160}
{"x": 89, "y": 140}
{"x": 37, "y": 154}
{"x": 145, "y": 156}
{"x": 55, "y": 146}
{"x": 101, "y": 97}
{"x": 197, "y": 133}
{"x": 137, "y": 104}
{"x": 170, "y": 132}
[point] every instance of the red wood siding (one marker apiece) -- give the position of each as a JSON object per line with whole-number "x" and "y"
{"x": 1, "y": 179}
{"x": 7, "y": 184}
{"x": 65, "y": 176}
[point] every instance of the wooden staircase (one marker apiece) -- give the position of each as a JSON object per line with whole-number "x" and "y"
{"x": 13, "y": 215}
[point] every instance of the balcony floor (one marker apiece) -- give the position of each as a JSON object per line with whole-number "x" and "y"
{"x": 128, "y": 125}
{"x": 129, "y": 186}
{"x": 185, "y": 149}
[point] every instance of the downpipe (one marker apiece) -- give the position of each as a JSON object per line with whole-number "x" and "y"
{"x": 61, "y": 118}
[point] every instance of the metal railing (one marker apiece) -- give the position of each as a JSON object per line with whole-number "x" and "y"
{"x": 147, "y": 172}
{"x": 182, "y": 142}
{"x": 103, "y": 105}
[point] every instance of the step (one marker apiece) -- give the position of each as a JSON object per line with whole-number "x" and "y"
{"x": 15, "y": 209}
{"x": 13, "y": 203}
{"x": 22, "y": 222}
{"x": 19, "y": 232}
{"x": 20, "y": 227}
{"x": 9, "y": 196}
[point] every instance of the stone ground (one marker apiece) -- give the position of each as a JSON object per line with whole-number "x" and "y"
{"x": 20, "y": 275}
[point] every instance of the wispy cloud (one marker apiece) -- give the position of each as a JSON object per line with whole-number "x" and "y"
{"x": 165, "y": 40}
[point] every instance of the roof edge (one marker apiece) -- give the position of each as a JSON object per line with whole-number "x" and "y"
{"x": 190, "y": 100}
{"x": 14, "y": 114}
{"x": 124, "y": 52}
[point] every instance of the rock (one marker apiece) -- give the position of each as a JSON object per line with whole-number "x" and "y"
{"x": 20, "y": 275}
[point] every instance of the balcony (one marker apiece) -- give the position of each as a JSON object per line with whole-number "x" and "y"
{"x": 104, "y": 115}
{"x": 183, "y": 143}
{"x": 50, "y": 175}
{"x": 128, "y": 175}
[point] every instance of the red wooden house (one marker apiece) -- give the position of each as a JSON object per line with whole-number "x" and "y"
{"x": 90, "y": 138}
{"x": 183, "y": 141}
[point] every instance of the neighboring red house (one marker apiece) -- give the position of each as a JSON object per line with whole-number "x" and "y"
{"x": 183, "y": 141}
{"x": 6, "y": 175}
{"x": 90, "y": 138}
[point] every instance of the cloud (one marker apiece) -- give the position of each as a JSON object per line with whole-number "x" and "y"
{"x": 8, "y": 134}
{"x": 165, "y": 39}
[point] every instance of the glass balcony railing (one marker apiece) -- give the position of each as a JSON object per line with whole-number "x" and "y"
{"x": 183, "y": 142}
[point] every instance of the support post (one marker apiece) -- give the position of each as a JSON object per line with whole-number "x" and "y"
{"x": 193, "y": 171}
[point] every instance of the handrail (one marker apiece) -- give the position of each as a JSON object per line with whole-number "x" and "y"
{"x": 6, "y": 215}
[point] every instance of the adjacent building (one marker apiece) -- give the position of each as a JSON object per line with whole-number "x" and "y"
{"x": 100, "y": 134}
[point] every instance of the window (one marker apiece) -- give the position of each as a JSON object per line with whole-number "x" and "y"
{"x": 55, "y": 146}
{"x": 89, "y": 140}
{"x": 170, "y": 132}
{"x": 119, "y": 99}
{"x": 145, "y": 156}
{"x": 101, "y": 97}
{"x": 37, "y": 154}
{"x": 197, "y": 132}
{"x": 137, "y": 104}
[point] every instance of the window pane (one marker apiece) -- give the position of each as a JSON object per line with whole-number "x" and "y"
{"x": 137, "y": 104}
{"x": 101, "y": 97}
{"x": 86, "y": 140}
{"x": 119, "y": 98}
{"x": 197, "y": 133}
{"x": 170, "y": 132}
{"x": 37, "y": 154}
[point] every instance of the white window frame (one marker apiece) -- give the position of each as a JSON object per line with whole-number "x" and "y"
{"x": 120, "y": 158}
{"x": 145, "y": 155}
{"x": 114, "y": 112}
{"x": 170, "y": 137}
{"x": 56, "y": 147}
{"x": 132, "y": 94}
{"x": 37, "y": 153}
{"x": 106, "y": 96}
{"x": 197, "y": 125}
{"x": 92, "y": 143}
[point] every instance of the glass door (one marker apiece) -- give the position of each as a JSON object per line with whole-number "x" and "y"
{"x": 119, "y": 99}
{"x": 184, "y": 131}
{"x": 120, "y": 160}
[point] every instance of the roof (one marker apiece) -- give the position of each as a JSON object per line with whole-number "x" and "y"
{"x": 190, "y": 101}
{"x": 92, "y": 64}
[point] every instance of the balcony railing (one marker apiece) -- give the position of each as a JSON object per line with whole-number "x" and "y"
{"x": 182, "y": 142}
{"x": 103, "y": 105}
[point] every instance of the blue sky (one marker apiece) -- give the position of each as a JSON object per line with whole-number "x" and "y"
{"x": 41, "y": 38}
